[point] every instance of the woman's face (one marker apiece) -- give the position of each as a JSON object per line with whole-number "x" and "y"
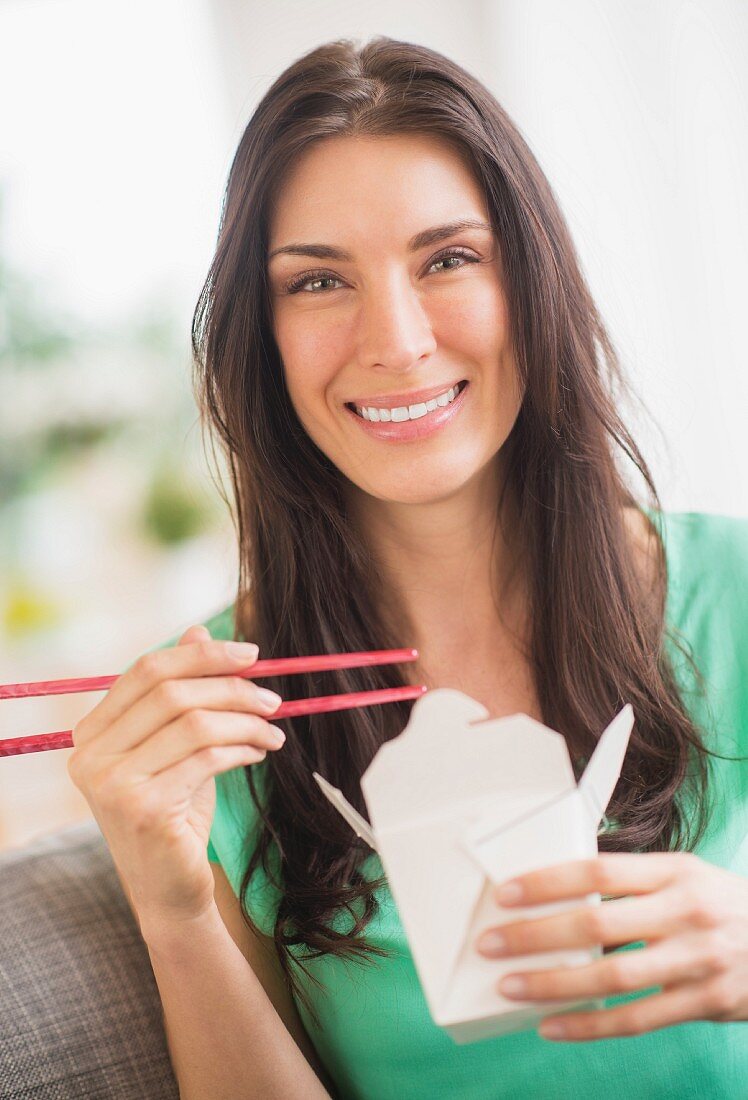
{"x": 387, "y": 315}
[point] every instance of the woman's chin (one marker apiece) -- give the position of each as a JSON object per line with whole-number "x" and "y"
{"x": 411, "y": 491}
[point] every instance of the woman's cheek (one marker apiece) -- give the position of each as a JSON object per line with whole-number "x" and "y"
{"x": 480, "y": 316}
{"x": 306, "y": 359}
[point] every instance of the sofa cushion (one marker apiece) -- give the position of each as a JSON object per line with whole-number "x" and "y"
{"x": 80, "y": 1014}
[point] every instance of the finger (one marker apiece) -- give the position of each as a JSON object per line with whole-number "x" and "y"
{"x": 609, "y": 873}
{"x": 197, "y": 731}
{"x": 177, "y": 785}
{"x": 174, "y": 699}
{"x": 202, "y": 659}
{"x": 683, "y": 958}
{"x": 673, "y": 1006}
{"x": 610, "y": 923}
{"x": 196, "y": 633}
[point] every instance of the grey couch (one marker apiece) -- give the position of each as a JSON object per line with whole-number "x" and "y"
{"x": 80, "y": 1014}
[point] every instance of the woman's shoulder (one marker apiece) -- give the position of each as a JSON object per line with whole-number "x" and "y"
{"x": 707, "y": 562}
{"x": 707, "y": 609}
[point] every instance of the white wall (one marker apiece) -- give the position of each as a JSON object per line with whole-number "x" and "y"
{"x": 638, "y": 113}
{"x": 113, "y": 152}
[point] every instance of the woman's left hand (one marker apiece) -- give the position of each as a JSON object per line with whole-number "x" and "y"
{"x": 692, "y": 915}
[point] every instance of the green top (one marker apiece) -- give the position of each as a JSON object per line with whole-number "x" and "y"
{"x": 378, "y": 1039}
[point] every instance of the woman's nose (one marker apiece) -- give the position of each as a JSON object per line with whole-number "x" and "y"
{"x": 395, "y": 329}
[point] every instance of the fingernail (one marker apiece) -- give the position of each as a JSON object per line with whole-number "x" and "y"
{"x": 269, "y": 698}
{"x": 242, "y": 651}
{"x": 552, "y": 1031}
{"x": 279, "y": 734}
{"x": 492, "y": 941}
{"x": 513, "y": 985}
{"x": 509, "y": 893}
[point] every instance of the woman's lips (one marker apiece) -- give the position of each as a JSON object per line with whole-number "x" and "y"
{"x": 407, "y": 430}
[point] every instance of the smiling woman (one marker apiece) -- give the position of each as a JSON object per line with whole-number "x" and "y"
{"x": 424, "y": 442}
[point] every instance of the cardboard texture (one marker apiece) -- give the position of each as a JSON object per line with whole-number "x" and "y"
{"x": 458, "y": 803}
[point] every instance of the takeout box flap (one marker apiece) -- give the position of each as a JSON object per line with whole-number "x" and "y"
{"x": 359, "y": 824}
{"x": 452, "y": 752}
{"x": 499, "y": 837}
{"x": 601, "y": 774}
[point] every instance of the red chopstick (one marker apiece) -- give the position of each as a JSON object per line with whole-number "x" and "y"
{"x": 271, "y": 667}
{"x": 14, "y": 746}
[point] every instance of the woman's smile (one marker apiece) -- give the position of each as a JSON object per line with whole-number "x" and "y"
{"x": 404, "y": 423}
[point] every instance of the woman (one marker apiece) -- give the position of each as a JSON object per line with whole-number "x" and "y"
{"x": 417, "y": 398}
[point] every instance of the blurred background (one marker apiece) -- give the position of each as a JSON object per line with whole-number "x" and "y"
{"x": 118, "y": 127}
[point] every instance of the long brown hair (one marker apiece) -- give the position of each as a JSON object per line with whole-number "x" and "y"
{"x": 306, "y": 577}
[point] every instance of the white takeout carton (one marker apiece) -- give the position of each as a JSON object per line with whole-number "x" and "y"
{"x": 459, "y": 802}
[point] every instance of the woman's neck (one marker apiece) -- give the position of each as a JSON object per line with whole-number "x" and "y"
{"x": 449, "y": 574}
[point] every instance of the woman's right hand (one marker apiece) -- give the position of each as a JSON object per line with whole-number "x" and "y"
{"x": 145, "y": 759}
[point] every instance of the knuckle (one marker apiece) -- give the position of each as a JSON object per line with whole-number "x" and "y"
{"x": 716, "y": 955}
{"x": 704, "y": 912}
{"x": 145, "y": 815}
{"x": 594, "y": 922}
{"x": 637, "y": 1024}
{"x": 76, "y": 735}
{"x": 170, "y": 695}
{"x": 623, "y": 975}
{"x": 258, "y": 727}
{"x": 207, "y": 651}
{"x": 239, "y": 692}
{"x": 107, "y": 787}
{"x": 722, "y": 997}
{"x": 212, "y": 756}
{"x": 602, "y": 876}
{"x": 148, "y": 667}
{"x": 198, "y": 726}
{"x": 74, "y": 768}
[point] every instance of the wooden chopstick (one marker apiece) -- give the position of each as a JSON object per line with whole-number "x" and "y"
{"x": 289, "y": 708}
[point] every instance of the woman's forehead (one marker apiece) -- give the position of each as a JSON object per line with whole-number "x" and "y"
{"x": 349, "y": 189}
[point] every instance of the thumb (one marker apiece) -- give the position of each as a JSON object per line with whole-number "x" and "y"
{"x": 194, "y": 634}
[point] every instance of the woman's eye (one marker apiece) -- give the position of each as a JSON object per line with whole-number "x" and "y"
{"x": 308, "y": 277}
{"x": 455, "y": 253}
{"x": 314, "y": 277}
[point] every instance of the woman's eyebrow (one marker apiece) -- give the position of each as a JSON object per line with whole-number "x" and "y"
{"x": 421, "y": 240}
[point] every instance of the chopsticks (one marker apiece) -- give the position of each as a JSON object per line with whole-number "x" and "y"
{"x": 289, "y": 708}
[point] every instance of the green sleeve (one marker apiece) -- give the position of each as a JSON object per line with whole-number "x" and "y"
{"x": 707, "y": 608}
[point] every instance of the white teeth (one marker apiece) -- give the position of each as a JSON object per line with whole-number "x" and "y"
{"x": 407, "y": 412}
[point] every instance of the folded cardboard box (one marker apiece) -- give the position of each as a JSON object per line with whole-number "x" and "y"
{"x": 459, "y": 802}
